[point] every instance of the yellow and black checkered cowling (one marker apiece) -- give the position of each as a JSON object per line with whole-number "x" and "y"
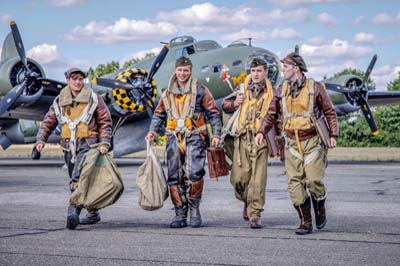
{"x": 122, "y": 98}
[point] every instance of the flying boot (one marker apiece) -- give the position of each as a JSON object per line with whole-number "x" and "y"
{"x": 194, "y": 203}
{"x": 72, "y": 217}
{"x": 181, "y": 209}
{"x": 91, "y": 217}
{"x": 319, "y": 210}
{"x": 304, "y": 211}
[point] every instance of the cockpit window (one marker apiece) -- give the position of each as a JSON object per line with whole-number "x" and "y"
{"x": 217, "y": 68}
{"x": 185, "y": 51}
{"x": 205, "y": 69}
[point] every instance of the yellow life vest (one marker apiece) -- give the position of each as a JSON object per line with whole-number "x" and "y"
{"x": 82, "y": 129}
{"x": 252, "y": 109}
{"x": 298, "y": 115}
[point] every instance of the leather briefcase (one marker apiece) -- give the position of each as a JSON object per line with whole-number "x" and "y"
{"x": 217, "y": 165}
{"x": 272, "y": 145}
{"x": 323, "y": 131}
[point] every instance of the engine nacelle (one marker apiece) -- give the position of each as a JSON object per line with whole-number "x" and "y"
{"x": 12, "y": 72}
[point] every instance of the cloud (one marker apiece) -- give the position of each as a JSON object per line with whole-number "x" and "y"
{"x": 364, "y": 37}
{"x": 339, "y": 49}
{"x": 123, "y": 30}
{"x": 207, "y": 17}
{"x": 275, "y": 34}
{"x": 141, "y": 54}
{"x": 359, "y": 20}
{"x": 47, "y": 55}
{"x": 296, "y": 3}
{"x": 65, "y": 3}
{"x": 327, "y": 19}
{"x": 316, "y": 41}
{"x": 384, "y": 74}
{"x": 384, "y": 18}
{"x": 319, "y": 71}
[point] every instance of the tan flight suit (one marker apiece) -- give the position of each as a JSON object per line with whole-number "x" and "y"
{"x": 249, "y": 164}
{"x": 305, "y": 156}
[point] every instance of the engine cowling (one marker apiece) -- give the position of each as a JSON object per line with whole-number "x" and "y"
{"x": 12, "y": 73}
{"x": 134, "y": 100}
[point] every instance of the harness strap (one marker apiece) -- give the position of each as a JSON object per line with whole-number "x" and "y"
{"x": 85, "y": 117}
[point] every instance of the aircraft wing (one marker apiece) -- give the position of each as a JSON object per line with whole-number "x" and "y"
{"x": 381, "y": 98}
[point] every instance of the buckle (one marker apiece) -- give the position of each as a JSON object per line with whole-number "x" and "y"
{"x": 180, "y": 124}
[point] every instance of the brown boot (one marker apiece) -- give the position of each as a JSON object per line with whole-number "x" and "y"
{"x": 181, "y": 208}
{"x": 304, "y": 211}
{"x": 196, "y": 190}
{"x": 255, "y": 223}
{"x": 319, "y": 210}
{"x": 245, "y": 215}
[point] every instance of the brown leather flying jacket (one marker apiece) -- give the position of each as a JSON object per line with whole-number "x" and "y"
{"x": 322, "y": 105}
{"x": 101, "y": 121}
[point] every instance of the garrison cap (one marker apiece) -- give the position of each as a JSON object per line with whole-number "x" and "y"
{"x": 183, "y": 61}
{"x": 258, "y": 62}
{"x": 74, "y": 70}
{"x": 295, "y": 60}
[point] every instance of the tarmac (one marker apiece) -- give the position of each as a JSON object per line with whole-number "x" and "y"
{"x": 363, "y": 210}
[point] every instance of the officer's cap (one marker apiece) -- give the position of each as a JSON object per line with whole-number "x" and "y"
{"x": 295, "y": 60}
{"x": 183, "y": 61}
{"x": 258, "y": 62}
{"x": 74, "y": 70}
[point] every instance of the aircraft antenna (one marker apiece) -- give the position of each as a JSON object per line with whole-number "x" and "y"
{"x": 296, "y": 49}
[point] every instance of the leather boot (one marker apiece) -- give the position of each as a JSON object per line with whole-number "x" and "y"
{"x": 72, "y": 217}
{"x": 255, "y": 223}
{"x": 195, "y": 191}
{"x": 319, "y": 210}
{"x": 91, "y": 217}
{"x": 304, "y": 211}
{"x": 195, "y": 216}
{"x": 181, "y": 208}
{"x": 180, "y": 219}
{"x": 245, "y": 215}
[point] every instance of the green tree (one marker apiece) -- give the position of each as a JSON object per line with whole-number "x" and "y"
{"x": 395, "y": 84}
{"x": 137, "y": 60}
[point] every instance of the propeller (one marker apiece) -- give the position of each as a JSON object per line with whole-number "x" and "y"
{"x": 138, "y": 87}
{"x": 31, "y": 87}
{"x": 357, "y": 93}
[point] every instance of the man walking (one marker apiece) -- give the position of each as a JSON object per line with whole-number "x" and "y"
{"x": 300, "y": 102}
{"x": 249, "y": 163}
{"x": 85, "y": 123}
{"x": 183, "y": 109}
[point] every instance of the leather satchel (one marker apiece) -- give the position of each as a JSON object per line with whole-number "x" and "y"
{"x": 217, "y": 165}
{"x": 272, "y": 145}
{"x": 323, "y": 130}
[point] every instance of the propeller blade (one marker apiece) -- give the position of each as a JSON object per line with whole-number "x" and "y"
{"x": 19, "y": 44}
{"x": 112, "y": 83}
{"x": 11, "y": 97}
{"x": 50, "y": 84}
{"x": 158, "y": 61}
{"x": 370, "y": 67}
{"x": 368, "y": 116}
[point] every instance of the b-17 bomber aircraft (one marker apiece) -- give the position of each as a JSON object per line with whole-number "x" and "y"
{"x": 131, "y": 94}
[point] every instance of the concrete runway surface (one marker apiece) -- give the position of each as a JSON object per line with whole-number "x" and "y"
{"x": 363, "y": 210}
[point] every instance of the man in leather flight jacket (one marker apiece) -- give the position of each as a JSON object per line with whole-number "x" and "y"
{"x": 298, "y": 104}
{"x": 85, "y": 123}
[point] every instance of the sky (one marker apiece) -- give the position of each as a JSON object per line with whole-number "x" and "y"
{"x": 332, "y": 34}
